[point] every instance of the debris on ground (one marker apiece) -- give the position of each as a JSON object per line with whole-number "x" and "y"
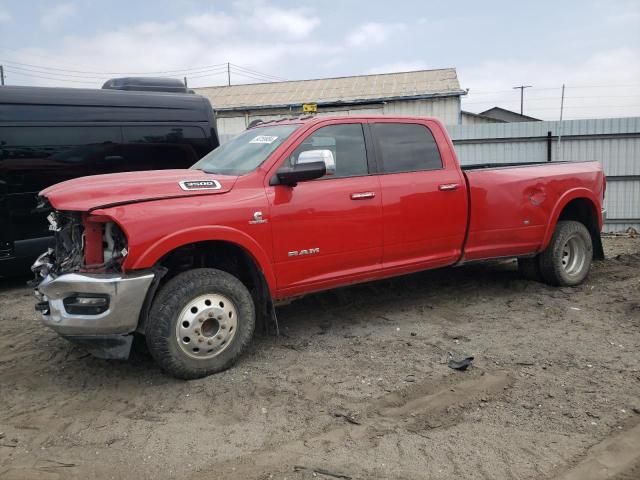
{"x": 321, "y": 471}
{"x": 460, "y": 365}
{"x": 349, "y": 418}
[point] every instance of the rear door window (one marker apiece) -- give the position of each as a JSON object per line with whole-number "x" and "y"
{"x": 406, "y": 147}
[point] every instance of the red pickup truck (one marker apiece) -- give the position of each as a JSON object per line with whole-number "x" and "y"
{"x": 192, "y": 258}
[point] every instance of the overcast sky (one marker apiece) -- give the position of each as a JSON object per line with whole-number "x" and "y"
{"x": 591, "y": 46}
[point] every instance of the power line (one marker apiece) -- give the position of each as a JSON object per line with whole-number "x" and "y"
{"x": 586, "y": 106}
{"x": 46, "y": 72}
{"x": 88, "y": 77}
{"x": 183, "y": 70}
{"x": 242, "y": 74}
{"x": 15, "y": 72}
{"x": 545, "y": 99}
{"x": 258, "y": 73}
{"x": 92, "y": 74}
{"x": 241, "y": 71}
{"x": 473, "y": 92}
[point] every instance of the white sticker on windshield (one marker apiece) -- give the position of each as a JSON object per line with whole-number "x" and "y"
{"x": 264, "y": 139}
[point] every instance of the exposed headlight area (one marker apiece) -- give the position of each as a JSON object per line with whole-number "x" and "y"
{"x": 114, "y": 244}
{"x": 105, "y": 245}
{"x": 83, "y": 243}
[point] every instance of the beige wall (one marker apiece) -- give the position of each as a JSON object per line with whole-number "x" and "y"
{"x": 445, "y": 109}
{"x": 231, "y": 123}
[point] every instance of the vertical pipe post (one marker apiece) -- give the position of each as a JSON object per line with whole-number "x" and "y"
{"x": 549, "y": 146}
{"x": 560, "y": 124}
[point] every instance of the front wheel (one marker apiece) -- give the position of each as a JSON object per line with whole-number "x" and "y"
{"x": 567, "y": 259}
{"x": 200, "y": 323}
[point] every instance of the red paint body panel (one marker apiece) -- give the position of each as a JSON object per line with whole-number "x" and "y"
{"x": 410, "y": 222}
{"x": 514, "y": 208}
{"x": 88, "y": 193}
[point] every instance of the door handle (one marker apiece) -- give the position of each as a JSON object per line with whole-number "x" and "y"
{"x": 448, "y": 186}
{"x": 362, "y": 195}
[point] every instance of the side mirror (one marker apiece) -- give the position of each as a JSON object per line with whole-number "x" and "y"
{"x": 311, "y": 164}
{"x": 325, "y": 156}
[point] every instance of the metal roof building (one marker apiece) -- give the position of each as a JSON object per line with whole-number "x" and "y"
{"x": 433, "y": 93}
{"x": 495, "y": 115}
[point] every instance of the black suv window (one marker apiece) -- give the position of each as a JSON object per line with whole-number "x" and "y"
{"x": 193, "y": 138}
{"x": 34, "y": 157}
{"x": 346, "y": 142}
{"x": 406, "y": 147}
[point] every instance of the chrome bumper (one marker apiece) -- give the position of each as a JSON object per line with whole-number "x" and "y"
{"x": 125, "y": 295}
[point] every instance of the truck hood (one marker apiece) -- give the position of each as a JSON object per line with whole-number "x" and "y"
{"x": 99, "y": 191}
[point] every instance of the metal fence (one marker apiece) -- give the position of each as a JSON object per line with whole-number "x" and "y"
{"x": 613, "y": 141}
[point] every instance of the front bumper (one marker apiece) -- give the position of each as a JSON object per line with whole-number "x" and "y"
{"x": 124, "y": 294}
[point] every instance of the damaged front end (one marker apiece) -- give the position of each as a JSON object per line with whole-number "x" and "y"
{"x": 83, "y": 242}
{"x": 82, "y": 291}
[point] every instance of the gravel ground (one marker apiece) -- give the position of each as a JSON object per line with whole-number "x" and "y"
{"x": 357, "y": 386}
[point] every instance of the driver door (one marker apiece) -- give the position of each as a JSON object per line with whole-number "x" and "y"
{"x": 328, "y": 231}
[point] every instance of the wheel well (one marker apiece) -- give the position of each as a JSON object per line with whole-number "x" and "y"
{"x": 221, "y": 255}
{"x": 584, "y": 211}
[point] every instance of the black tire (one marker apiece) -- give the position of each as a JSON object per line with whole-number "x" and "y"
{"x": 530, "y": 268}
{"x": 558, "y": 267}
{"x": 171, "y": 301}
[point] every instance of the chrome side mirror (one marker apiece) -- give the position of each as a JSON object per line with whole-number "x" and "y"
{"x": 324, "y": 156}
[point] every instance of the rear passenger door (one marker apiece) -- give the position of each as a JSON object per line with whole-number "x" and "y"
{"x": 424, "y": 198}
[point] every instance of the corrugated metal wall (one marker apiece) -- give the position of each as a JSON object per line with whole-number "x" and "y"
{"x": 613, "y": 141}
{"x": 447, "y": 109}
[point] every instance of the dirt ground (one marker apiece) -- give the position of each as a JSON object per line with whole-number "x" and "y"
{"x": 357, "y": 386}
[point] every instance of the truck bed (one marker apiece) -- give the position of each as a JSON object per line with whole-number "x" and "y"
{"x": 478, "y": 166}
{"x": 511, "y": 205}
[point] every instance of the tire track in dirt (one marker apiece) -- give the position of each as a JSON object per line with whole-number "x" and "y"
{"x": 615, "y": 457}
{"x": 426, "y": 405}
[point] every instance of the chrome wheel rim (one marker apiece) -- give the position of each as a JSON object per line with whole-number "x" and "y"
{"x": 206, "y": 326}
{"x": 574, "y": 256}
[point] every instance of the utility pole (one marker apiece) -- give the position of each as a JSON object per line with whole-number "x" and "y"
{"x": 522, "y": 87}
{"x": 1, "y": 75}
{"x": 228, "y": 74}
{"x": 185, "y": 82}
{"x": 560, "y": 124}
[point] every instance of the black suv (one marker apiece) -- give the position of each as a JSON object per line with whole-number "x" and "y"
{"x": 49, "y": 135}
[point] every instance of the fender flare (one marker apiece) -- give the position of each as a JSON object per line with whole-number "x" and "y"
{"x": 167, "y": 244}
{"x": 562, "y": 202}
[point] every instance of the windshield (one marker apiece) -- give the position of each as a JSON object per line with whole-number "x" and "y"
{"x": 245, "y": 152}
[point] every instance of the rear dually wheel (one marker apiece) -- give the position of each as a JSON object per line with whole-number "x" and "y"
{"x": 567, "y": 259}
